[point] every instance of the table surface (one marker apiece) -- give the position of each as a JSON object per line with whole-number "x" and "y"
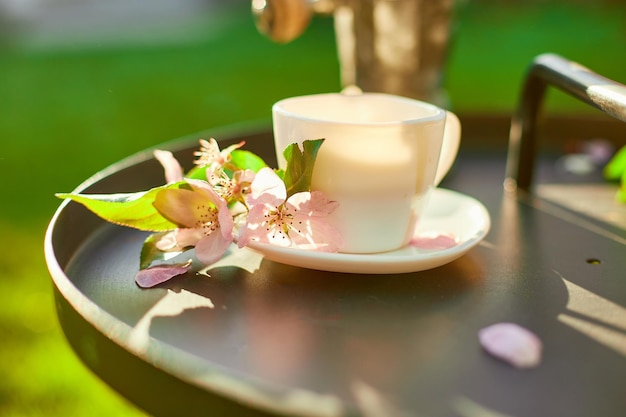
{"x": 261, "y": 338}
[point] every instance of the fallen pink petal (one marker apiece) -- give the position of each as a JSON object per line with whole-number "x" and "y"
{"x": 511, "y": 343}
{"x": 433, "y": 242}
{"x": 156, "y": 275}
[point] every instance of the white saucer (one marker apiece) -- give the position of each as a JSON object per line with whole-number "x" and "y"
{"x": 449, "y": 214}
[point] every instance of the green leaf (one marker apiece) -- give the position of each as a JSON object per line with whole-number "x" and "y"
{"x": 197, "y": 173}
{"x": 150, "y": 253}
{"x": 616, "y": 167}
{"x": 242, "y": 159}
{"x": 300, "y": 164}
{"x": 615, "y": 170}
{"x": 129, "y": 209}
{"x": 621, "y": 193}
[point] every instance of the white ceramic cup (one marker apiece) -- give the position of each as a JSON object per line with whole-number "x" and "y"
{"x": 381, "y": 157}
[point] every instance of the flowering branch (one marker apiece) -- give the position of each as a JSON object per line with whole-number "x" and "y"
{"x": 229, "y": 195}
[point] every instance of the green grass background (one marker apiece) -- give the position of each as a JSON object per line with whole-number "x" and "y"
{"x": 71, "y": 106}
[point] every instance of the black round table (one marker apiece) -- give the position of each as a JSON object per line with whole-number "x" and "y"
{"x": 254, "y": 337}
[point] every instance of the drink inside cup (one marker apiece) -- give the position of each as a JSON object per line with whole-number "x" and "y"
{"x": 379, "y": 160}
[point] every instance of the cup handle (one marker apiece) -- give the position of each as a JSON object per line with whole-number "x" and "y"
{"x": 449, "y": 147}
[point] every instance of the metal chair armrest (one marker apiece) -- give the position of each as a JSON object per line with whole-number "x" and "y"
{"x": 570, "y": 77}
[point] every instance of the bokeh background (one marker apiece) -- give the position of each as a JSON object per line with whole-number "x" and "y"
{"x": 84, "y": 83}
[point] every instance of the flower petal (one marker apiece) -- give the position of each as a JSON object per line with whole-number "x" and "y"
{"x": 167, "y": 242}
{"x": 307, "y": 227}
{"x": 511, "y": 343}
{"x": 434, "y": 241}
{"x": 267, "y": 188}
{"x": 310, "y": 229}
{"x": 211, "y": 248}
{"x": 180, "y": 206}
{"x": 186, "y": 237}
{"x": 244, "y": 176}
{"x": 205, "y": 188}
{"x": 155, "y": 275}
{"x": 315, "y": 233}
{"x": 314, "y": 203}
{"x": 224, "y": 217}
{"x": 173, "y": 170}
{"x": 225, "y": 153}
{"x": 258, "y": 228}
{"x": 253, "y": 227}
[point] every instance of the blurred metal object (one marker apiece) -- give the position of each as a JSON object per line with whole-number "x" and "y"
{"x": 392, "y": 46}
{"x": 281, "y": 20}
{"x": 570, "y": 77}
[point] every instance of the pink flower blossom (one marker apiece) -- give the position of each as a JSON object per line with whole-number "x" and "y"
{"x": 203, "y": 219}
{"x": 211, "y": 156}
{"x": 297, "y": 221}
{"x": 231, "y": 189}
